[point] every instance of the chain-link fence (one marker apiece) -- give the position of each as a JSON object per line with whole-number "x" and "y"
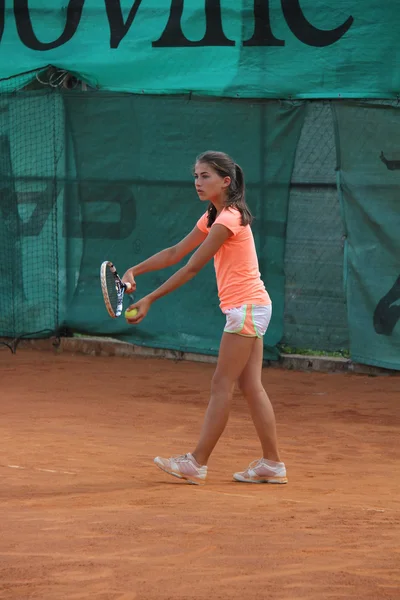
{"x": 315, "y": 310}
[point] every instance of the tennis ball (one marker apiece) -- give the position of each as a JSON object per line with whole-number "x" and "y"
{"x": 129, "y": 314}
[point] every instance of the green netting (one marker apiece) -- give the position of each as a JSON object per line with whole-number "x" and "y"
{"x": 31, "y": 142}
{"x": 89, "y": 176}
{"x": 105, "y": 176}
{"x": 369, "y": 177}
{"x": 129, "y": 193}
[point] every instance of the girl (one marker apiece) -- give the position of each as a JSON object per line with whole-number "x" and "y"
{"x": 224, "y": 233}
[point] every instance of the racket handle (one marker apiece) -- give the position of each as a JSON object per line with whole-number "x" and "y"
{"x": 128, "y": 288}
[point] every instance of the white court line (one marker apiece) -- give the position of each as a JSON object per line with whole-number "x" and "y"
{"x": 43, "y": 470}
{"x": 370, "y": 508}
{"x": 47, "y": 470}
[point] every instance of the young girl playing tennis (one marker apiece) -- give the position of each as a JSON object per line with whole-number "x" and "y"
{"x": 224, "y": 233}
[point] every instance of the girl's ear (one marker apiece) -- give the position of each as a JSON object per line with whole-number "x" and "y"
{"x": 227, "y": 182}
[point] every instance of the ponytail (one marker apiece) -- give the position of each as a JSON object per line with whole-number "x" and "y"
{"x": 240, "y": 178}
{"x": 237, "y": 196}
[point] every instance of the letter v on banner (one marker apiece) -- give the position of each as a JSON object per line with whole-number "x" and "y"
{"x": 119, "y": 28}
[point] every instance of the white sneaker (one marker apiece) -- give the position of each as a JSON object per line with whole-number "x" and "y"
{"x": 184, "y": 467}
{"x": 263, "y": 471}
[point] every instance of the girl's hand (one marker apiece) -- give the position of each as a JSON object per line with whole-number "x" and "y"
{"x": 130, "y": 282}
{"x": 143, "y": 307}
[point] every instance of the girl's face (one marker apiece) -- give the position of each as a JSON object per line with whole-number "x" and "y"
{"x": 209, "y": 184}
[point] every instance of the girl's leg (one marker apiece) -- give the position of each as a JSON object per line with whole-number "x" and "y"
{"x": 260, "y": 406}
{"x": 234, "y": 354}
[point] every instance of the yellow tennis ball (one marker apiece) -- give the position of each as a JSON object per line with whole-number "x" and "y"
{"x": 129, "y": 314}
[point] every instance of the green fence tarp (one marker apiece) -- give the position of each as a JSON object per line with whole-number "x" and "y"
{"x": 247, "y": 48}
{"x": 369, "y": 179}
{"x": 130, "y": 193}
{"x": 91, "y": 176}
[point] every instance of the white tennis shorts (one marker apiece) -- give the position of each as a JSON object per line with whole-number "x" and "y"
{"x": 250, "y": 320}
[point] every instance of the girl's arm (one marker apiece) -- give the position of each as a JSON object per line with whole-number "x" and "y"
{"x": 167, "y": 257}
{"x": 216, "y": 238}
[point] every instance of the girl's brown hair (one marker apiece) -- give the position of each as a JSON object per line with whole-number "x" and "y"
{"x": 226, "y": 167}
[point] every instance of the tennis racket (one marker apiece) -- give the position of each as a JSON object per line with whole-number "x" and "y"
{"x": 113, "y": 289}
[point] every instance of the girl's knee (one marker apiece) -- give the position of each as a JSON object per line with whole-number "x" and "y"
{"x": 221, "y": 384}
{"x": 250, "y": 388}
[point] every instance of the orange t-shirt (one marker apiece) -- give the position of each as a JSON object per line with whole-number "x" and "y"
{"x": 236, "y": 263}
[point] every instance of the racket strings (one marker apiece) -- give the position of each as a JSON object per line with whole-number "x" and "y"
{"x": 113, "y": 289}
{"x": 114, "y": 293}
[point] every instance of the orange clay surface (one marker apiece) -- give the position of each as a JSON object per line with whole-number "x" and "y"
{"x": 85, "y": 514}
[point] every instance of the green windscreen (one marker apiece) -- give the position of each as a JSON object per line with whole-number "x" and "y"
{"x": 92, "y": 176}
{"x": 129, "y": 193}
{"x": 369, "y": 180}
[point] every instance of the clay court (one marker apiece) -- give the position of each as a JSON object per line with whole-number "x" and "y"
{"x": 86, "y": 514}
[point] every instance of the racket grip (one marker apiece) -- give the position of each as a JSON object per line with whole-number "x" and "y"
{"x": 128, "y": 288}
